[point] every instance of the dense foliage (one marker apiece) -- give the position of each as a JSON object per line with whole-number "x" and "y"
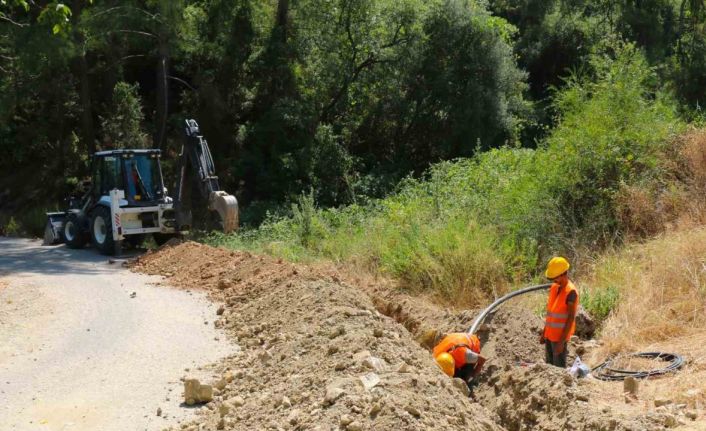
{"x": 343, "y": 97}
{"x": 474, "y": 225}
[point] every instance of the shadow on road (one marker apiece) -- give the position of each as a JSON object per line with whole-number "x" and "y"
{"x": 20, "y": 255}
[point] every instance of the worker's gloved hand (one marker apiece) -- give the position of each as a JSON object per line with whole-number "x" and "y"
{"x": 542, "y": 340}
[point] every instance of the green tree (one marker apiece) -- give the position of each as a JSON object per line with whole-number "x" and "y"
{"x": 122, "y": 127}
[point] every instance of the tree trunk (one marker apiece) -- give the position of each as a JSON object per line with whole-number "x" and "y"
{"x": 282, "y": 17}
{"x": 162, "y": 107}
{"x": 87, "y": 130}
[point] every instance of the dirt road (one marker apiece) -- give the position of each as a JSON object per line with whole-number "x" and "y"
{"x": 79, "y": 350}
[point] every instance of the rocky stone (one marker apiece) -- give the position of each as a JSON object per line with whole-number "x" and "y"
{"x": 337, "y": 332}
{"x": 223, "y": 284}
{"x": 196, "y": 393}
{"x": 461, "y": 386}
{"x": 369, "y": 380}
{"x": 333, "y": 349}
{"x": 228, "y": 376}
{"x": 375, "y": 364}
{"x": 220, "y": 310}
{"x": 345, "y": 420}
{"x": 691, "y": 414}
{"x": 264, "y": 356}
{"x": 220, "y": 384}
{"x": 377, "y": 332}
{"x": 670, "y": 421}
{"x": 361, "y": 356}
{"x": 159, "y": 411}
{"x": 631, "y": 386}
{"x": 412, "y": 410}
{"x": 355, "y": 426}
{"x": 332, "y": 394}
{"x": 403, "y": 368}
{"x": 293, "y": 417}
{"x": 286, "y": 402}
{"x": 659, "y": 402}
{"x": 582, "y": 397}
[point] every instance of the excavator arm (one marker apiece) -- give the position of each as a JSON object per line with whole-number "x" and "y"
{"x": 195, "y": 153}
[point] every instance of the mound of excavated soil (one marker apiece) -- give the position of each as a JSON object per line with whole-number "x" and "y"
{"x": 318, "y": 353}
{"x": 547, "y": 398}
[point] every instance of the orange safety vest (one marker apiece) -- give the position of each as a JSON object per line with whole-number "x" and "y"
{"x": 456, "y": 344}
{"x": 558, "y": 312}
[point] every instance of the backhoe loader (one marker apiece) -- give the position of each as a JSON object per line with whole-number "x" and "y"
{"x": 126, "y": 198}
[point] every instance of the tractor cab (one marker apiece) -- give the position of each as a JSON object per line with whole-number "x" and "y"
{"x": 137, "y": 172}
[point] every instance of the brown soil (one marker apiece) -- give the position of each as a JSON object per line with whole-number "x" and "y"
{"x": 322, "y": 349}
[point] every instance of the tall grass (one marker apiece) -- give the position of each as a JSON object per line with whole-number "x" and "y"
{"x": 662, "y": 284}
{"x": 471, "y": 227}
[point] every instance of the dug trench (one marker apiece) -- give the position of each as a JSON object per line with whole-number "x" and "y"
{"x": 324, "y": 351}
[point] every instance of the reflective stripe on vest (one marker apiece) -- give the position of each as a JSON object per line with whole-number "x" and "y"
{"x": 456, "y": 344}
{"x": 558, "y": 312}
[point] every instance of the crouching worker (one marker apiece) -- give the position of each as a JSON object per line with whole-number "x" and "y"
{"x": 458, "y": 355}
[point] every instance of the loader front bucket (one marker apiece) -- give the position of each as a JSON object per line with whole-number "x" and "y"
{"x": 227, "y": 207}
{"x": 53, "y": 228}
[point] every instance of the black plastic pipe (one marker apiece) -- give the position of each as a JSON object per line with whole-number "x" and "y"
{"x": 479, "y": 320}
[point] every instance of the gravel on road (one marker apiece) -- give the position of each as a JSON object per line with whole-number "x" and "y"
{"x": 87, "y": 344}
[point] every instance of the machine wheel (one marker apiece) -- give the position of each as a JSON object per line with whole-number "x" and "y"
{"x": 74, "y": 236}
{"x": 162, "y": 238}
{"x": 101, "y": 230}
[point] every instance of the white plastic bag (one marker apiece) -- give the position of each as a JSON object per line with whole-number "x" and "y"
{"x": 579, "y": 369}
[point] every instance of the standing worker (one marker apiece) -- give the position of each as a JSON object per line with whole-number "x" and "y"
{"x": 562, "y": 306}
{"x": 458, "y": 355}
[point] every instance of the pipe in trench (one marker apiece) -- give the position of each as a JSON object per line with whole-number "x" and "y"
{"x": 481, "y": 317}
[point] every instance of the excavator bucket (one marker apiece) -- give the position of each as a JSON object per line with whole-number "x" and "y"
{"x": 227, "y": 208}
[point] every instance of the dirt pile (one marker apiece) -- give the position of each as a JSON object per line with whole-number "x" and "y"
{"x": 315, "y": 354}
{"x": 545, "y": 397}
{"x": 319, "y": 353}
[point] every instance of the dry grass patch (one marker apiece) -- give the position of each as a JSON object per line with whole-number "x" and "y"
{"x": 662, "y": 284}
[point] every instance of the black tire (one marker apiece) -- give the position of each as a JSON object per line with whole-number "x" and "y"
{"x": 101, "y": 229}
{"x": 73, "y": 233}
{"x": 162, "y": 238}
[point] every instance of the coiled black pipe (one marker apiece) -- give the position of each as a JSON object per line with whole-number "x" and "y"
{"x": 605, "y": 372}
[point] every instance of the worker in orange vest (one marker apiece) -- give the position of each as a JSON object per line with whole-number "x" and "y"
{"x": 562, "y": 305}
{"x": 458, "y": 355}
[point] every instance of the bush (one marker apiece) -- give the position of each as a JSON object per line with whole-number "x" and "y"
{"x": 600, "y": 302}
{"x": 470, "y": 227}
{"x": 12, "y": 228}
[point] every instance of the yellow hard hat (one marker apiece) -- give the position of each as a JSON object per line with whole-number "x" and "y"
{"x": 556, "y": 267}
{"x": 447, "y": 363}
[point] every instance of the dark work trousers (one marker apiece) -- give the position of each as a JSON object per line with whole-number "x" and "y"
{"x": 554, "y": 359}
{"x": 465, "y": 373}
